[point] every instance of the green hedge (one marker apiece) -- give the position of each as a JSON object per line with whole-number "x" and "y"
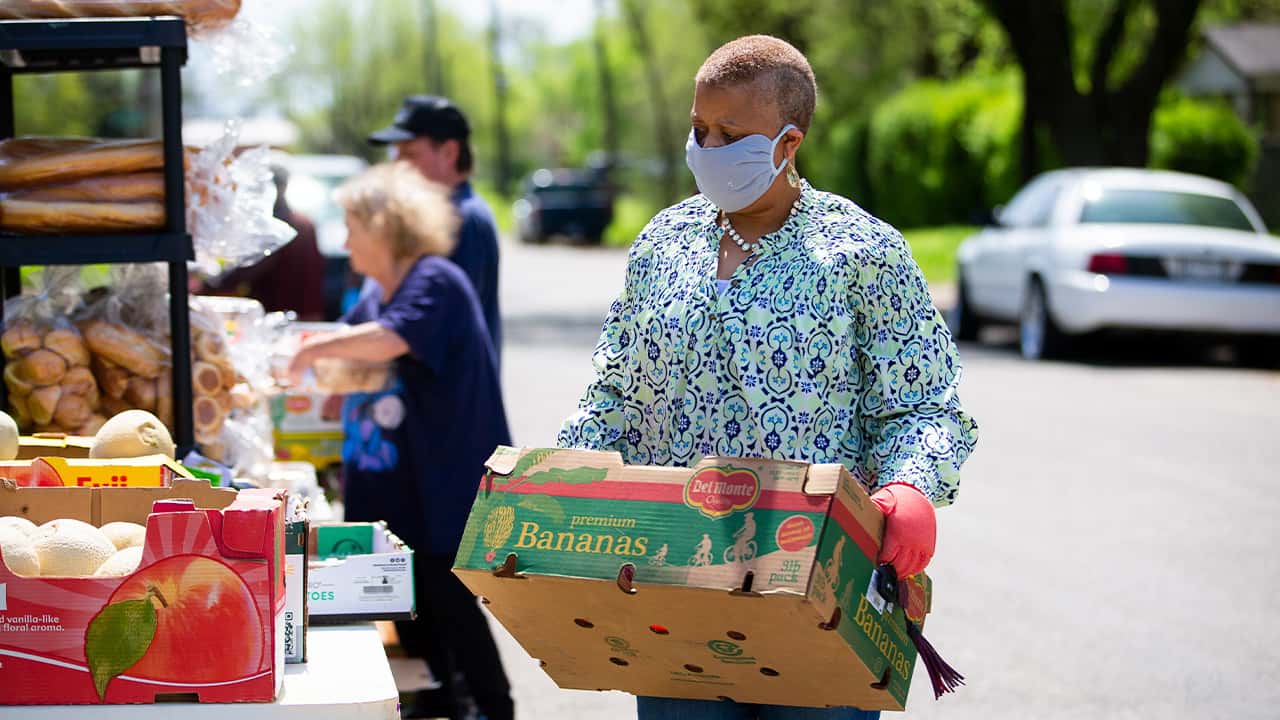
{"x": 936, "y": 153}
{"x": 1205, "y": 137}
{"x": 946, "y": 150}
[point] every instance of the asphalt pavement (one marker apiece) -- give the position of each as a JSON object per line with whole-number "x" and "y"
{"x": 1111, "y": 554}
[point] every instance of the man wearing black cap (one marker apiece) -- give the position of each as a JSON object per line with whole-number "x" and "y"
{"x": 433, "y": 135}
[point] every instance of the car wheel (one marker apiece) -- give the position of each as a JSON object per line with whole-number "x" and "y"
{"x": 1038, "y": 337}
{"x": 965, "y": 321}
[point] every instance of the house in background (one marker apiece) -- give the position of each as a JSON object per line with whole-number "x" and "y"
{"x": 1241, "y": 63}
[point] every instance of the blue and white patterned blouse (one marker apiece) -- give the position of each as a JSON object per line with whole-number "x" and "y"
{"x": 826, "y": 349}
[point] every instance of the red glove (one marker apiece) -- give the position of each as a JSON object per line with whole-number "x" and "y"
{"x": 910, "y": 528}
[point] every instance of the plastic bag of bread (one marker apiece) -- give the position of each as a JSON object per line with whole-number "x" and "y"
{"x": 125, "y": 329}
{"x": 50, "y": 385}
{"x": 200, "y": 15}
{"x": 88, "y": 185}
{"x": 213, "y": 375}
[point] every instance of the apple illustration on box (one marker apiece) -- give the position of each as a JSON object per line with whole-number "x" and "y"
{"x": 185, "y": 618}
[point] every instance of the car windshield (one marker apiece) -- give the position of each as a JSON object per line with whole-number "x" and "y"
{"x": 1163, "y": 207}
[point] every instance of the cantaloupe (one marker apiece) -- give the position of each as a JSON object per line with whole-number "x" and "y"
{"x": 18, "y": 554}
{"x": 122, "y": 563}
{"x": 124, "y": 534}
{"x": 132, "y": 433}
{"x": 27, "y": 527}
{"x": 71, "y": 548}
{"x": 8, "y": 437}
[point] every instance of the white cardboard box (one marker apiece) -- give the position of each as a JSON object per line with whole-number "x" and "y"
{"x": 377, "y": 586}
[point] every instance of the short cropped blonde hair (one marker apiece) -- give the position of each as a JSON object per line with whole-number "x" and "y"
{"x": 408, "y": 211}
{"x": 781, "y": 71}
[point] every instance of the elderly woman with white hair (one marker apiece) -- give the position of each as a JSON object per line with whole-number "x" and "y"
{"x": 414, "y": 451}
{"x": 765, "y": 318}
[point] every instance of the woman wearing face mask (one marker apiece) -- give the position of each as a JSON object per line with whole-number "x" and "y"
{"x": 765, "y": 318}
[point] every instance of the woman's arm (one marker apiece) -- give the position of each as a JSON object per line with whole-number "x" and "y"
{"x": 369, "y": 341}
{"x": 913, "y": 427}
{"x": 600, "y": 421}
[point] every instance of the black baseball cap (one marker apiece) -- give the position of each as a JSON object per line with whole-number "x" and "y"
{"x": 424, "y": 116}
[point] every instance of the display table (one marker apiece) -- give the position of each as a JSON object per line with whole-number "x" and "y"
{"x": 346, "y": 676}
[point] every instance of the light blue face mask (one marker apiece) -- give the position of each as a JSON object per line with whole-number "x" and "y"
{"x": 734, "y": 176}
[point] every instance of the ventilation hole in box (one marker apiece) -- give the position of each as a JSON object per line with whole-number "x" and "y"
{"x": 693, "y": 668}
{"x": 626, "y": 578}
{"x": 619, "y": 661}
{"x": 884, "y": 681}
{"x": 735, "y": 635}
{"x": 833, "y": 623}
{"x": 188, "y": 697}
{"x": 542, "y": 663}
{"x": 659, "y": 630}
{"x": 769, "y": 672}
{"x": 724, "y": 698}
{"x": 583, "y": 623}
{"x": 484, "y": 600}
{"x": 747, "y": 581}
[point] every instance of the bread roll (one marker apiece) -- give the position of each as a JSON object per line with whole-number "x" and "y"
{"x": 71, "y": 412}
{"x": 112, "y": 406}
{"x": 207, "y": 415}
{"x": 210, "y": 346}
{"x": 125, "y": 347}
{"x": 68, "y": 343}
{"x": 79, "y": 381}
{"x": 41, "y": 367}
{"x": 19, "y": 338}
{"x": 229, "y": 375}
{"x": 29, "y": 216}
{"x": 42, "y": 402}
{"x": 242, "y": 396}
{"x": 91, "y": 426}
{"x": 112, "y": 379}
{"x": 103, "y": 158}
{"x": 18, "y": 409}
{"x": 215, "y": 450}
{"x": 164, "y": 398}
{"x": 128, "y": 188}
{"x": 141, "y": 393}
{"x": 205, "y": 378}
{"x": 16, "y": 385}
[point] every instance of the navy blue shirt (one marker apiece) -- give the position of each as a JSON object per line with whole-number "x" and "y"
{"x": 477, "y": 255}
{"x": 413, "y": 454}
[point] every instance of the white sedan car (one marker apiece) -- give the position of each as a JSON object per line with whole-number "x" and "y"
{"x": 1082, "y": 250}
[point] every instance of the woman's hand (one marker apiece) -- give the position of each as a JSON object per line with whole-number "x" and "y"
{"x": 302, "y": 361}
{"x": 910, "y": 528}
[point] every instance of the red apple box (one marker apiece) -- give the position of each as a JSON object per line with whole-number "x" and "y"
{"x": 201, "y": 618}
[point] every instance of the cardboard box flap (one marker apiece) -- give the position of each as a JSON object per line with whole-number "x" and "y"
{"x": 42, "y": 504}
{"x": 47, "y": 444}
{"x": 507, "y": 460}
{"x": 824, "y": 479}
{"x": 110, "y": 505}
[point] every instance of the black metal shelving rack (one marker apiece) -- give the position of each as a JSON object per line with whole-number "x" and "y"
{"x": 41, "y": 46}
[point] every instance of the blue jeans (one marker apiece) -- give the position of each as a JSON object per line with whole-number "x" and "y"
{"x": 652, "y": 708}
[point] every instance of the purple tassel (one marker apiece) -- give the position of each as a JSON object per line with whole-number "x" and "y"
{"x": 942, "y": 676}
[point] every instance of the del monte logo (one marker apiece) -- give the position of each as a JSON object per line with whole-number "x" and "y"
{"x": 720, "y": 491}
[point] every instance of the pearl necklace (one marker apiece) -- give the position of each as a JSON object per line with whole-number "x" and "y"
{"x": 750, "y": 247}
